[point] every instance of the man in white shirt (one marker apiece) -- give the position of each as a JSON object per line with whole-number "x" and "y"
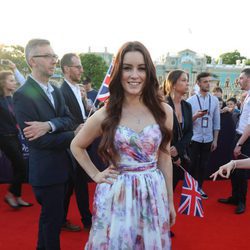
{"x": 72, "y": 70}
{"x": 242, "y": 149}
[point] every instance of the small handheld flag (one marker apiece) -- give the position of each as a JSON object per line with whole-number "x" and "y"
{"x": 103, "y": 93}
{"x": 190, "y": 197}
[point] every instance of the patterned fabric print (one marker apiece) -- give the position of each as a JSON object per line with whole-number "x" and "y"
{"x": 133, "y": 212}
{"x": 138, "y": 147}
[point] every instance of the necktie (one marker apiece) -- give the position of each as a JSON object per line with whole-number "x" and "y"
{"x": 50, "y": 97}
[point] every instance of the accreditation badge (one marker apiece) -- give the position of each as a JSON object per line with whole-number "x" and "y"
{"x": 204, "y": 122}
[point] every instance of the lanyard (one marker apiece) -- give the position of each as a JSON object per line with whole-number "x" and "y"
{"x": 10, "y": 106}
{"x": 209, "y": 105}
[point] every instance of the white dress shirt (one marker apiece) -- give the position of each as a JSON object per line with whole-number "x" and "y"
{"x": 245, "y": 115}
{"x": 48, "y": 89}
{"x": 76, "y": 90}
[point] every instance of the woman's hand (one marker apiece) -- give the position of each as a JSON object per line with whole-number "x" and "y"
{"x": 224, "y": 171}
{"x": 173, "y": 151}
{"x": 109, "y": 175}
{"x": 172, "y": 214}
{"x": 177, "y": 162}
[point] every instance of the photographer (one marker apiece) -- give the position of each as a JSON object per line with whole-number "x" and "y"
{"x": 18, "y": 75}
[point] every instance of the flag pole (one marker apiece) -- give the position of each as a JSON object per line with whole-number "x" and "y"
{"x": 186, "y": 171}
{"x": 182, "y": 168}
{"x": 99, "y": 91}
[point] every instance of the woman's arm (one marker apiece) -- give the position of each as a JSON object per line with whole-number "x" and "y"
{"x": 165, "y": 165}
{"x": 225, "y": 170}
{"x": 91, "y": 130}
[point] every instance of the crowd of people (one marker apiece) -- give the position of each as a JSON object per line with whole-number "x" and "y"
{"x": 134, "y": 147}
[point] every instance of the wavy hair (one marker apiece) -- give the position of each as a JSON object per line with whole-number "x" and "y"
{"x": 150, "y": 96}
{"x": 3, "y": 76}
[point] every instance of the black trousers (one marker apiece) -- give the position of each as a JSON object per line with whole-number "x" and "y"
{"x": 12, "y": 148}
{"x": 199, "y": 155}
{"x": 239, "y": 176}
{"x": 51, "y": 199}
{"x": 78, "y": 182}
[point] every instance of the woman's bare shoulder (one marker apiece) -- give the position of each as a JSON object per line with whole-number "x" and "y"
{"x": 167, "y": 108}
{"x": 99, "y": 115}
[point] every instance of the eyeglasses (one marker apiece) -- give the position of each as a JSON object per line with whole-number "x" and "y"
{"x": 48, "y": 56}
{"x": 76, "y": 66}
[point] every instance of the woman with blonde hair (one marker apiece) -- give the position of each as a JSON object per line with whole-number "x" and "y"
{"x": 175, "y": 87}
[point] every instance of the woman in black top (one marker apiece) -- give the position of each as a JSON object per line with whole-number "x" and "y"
{"x": 9, "y": 141}
{"x": 174, "y": 88}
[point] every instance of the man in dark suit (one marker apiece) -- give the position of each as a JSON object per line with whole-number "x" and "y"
{"x": 72, "y": 70}
{"x": 47, "y": 124}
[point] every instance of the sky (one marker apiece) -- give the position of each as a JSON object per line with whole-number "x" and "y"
{"x": 209, "y": 27}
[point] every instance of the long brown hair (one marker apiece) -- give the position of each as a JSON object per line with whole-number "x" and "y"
{"x": 3, "y": 76}
{"x": 150, "y": 96}
{"x": 171, "y": 80}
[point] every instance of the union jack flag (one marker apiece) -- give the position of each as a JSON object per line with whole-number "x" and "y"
{"x": 190, "y": 197}
{"x": 103, "y": 92}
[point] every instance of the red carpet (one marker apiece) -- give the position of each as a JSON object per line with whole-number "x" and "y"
{"x": 220, "y": 229}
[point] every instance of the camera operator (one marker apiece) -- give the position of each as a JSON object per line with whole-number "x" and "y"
{"x": 18, "y": 75}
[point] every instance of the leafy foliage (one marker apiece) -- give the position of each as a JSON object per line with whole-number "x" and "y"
{"x": 94, "y": 67}
{"x": 231, "y": 57}
{"x": 248, "y": 62}
{"x": 15, "y": 53}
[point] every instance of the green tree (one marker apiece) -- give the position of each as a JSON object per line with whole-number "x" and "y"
{"x": 209, "y": 59}
{"x": 15, "y": 53}
{"x": 231, "y": 57}
{"x": 248, "y": 62}
{"x": 94, "y": 67}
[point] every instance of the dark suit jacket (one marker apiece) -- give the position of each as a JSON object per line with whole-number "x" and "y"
{"x": 187, "y": 131}
{"x": 72, "y": 103}
{"x": 48, "y": 161}
{"x": 75, "y": 110}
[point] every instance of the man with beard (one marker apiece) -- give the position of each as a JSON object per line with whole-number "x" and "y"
{"x": 72, "y": 70}
{"x": 242, "y": 149}
{"x": 206, "y": 126}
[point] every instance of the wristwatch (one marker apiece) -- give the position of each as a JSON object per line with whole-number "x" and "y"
{"x": 239, "y": 145}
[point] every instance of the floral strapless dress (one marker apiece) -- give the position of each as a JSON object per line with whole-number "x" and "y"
{"x": 132, "y": 213}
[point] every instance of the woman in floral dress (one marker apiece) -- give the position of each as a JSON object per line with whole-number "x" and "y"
{"x": 133, "y": 203}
